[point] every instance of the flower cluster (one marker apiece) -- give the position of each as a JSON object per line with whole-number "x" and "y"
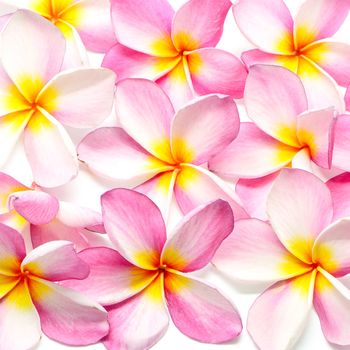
{"x": 265, "y": 200}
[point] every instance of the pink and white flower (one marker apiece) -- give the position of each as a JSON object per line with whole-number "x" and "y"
{"x": 32, "y": 302}
{"x": 177, "y": 50}
{"x": 164, "y": 150}
{"x": 147, "y": 273}
{"x": 301, "y": 45}
{"x": 36, "y": 99}
{"x": 304, "y": 251}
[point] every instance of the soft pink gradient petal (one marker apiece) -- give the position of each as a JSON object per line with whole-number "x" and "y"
{"x": 341, "y": 150}
{"x": 339, "y": 187}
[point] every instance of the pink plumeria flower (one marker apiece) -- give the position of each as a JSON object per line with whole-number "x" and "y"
{"x": 163, "y": 150}
{"x": 31, "y": 301}
{"x": 84, "y": 24}
{"x": 45, "y": 218}
{"x": 36, "y": 98}
{"x": 148, "y": 272}
{"x": 175, "y": 49}
{"x": 305, "y": 251}
{"x": 300, "y": 45}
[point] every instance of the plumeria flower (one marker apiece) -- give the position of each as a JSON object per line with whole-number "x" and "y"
{"x": 177, "y": 50}
{"x": 35, "y": 98}
{"x": 147, "y": 272}
{"x": 31, "y": 301}
{"x": 163, "y": 150}
{"x": 84, "y": 23}
{"x": 303, "y": 252}
{"x": 39, "y": 214}
{"x": 301, "y": 45}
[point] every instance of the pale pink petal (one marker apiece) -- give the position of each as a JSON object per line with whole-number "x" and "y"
{"x": 341, "y": 150}
{"x": 67, "y": 316}
{"x": 252, "y": 154}
{"x": 199, "y": 311}
{"x": 199, "y": 23}
{"x": 145, "y": 113}
{"x": 55, "y": 261}
{"x": 319, "y": 19}
{"x": 195, "y": 240}
{"x": 266, "y": 23}
{"x": 15, "y": 221}
{"x": 135, "y": 225}
{"x": 299, "y": 208}
{"x": 140, "y": 322}
{"x": 112, "y": 153}
{"x": 216, "y": 71}
{"x": 274, "y": 98}
{"x": 347, "y": 99}
{"x": 50, "y": 151}
{"x": 253, "y": 252}
{"x": 6, "y": 11}
{"x": 278, "y": 317}
{"x": 82, "y": 98}
{"x": 203, "y": 129}
{"x": 144, "y": 26}
{"x": 339, "y": 187}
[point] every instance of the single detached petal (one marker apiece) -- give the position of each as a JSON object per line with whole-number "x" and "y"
{"x": 274, "y": 97}
{"x": 135, "y": 225}
{"x": 216, "y": 71}
{"x": 40, "y": 42}
{"x": 112, "y": 153}
{"x": 67, "y": 316}
{"x": 145, "y": 113}
{"x": 342, "y": 143}
{"x": 299, "y": 208}
{"x": 139, "y": 322}
{"x": 82, "y": 98}
{"x": 55, "y": 261}
{"x": 197, "y": 237}
{"x": 50, "y": 151}
{"x": 319, "y": 19}
{"x": 144, "y": 26}
{"x": 339, "y": 187}
{"x": 199, "y": 23}
{"x": 203, "y": 129}
{"x": 253, "y": 252}
{"x": 252, "y": 154}
{"x": 199, "y": 311}
{"x": 268, "y": 24}
{"x": 277, "y": 318}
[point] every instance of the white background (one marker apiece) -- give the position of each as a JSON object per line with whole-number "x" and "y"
{"x": 86, "y": 190}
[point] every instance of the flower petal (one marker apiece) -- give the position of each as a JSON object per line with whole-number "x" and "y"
{"x": 347, "y": 99}
{"x": 268, "y": 24}
{"x": 195, "y": 240}
{"x": 277, "y": 318}
{"x": 144, "y": 26}
{"x": 252, "y": 154}
{"x": 135, "y": 225}
{"x": 15, "y": 221}
{"x": 274, "y": 97}
{"x": 339, "y": 187}
{"x": 199, "y": 311}
{"x": 67, "y": 316}
{"x": 299, "y": 208}
{"x": 216, "y": 71}
{"x": 81, "y": 98}
{"x": 145, "y": 113}
{"x": 341, "y": 149}
{"x": 199, "y": 23}
{"x": 203, "y": 129}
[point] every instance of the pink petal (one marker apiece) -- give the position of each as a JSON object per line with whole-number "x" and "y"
{"x": 203, "y": 129}
{"x": 252, "y": 154}
{"x": 135, "y": 225}
{"x": 347, "y": 99}
{"x": 199, "y": 311}
{"x": 197, "y": 237}
{"x": 144, "y": 26}
{"x": 55, "y": 261}
{"x": 278, "y": 317}
{"x": 15, "y": 221}
{"x": 216, "y": 71}
{"x": 199, "y": 23}
{"x": 266, "y": 23}
{"x": 145, "y": 113}
{"x": 299, "y": 208}
{"x": 274, "y": 97}
{"x": 339, "y": 187}
{"x": 67, "y": 316}
{"x": 341, "y": 149}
